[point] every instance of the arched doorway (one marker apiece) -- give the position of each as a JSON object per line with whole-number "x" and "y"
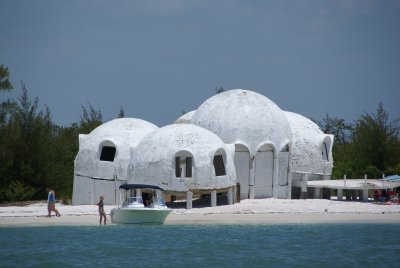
{"x": 264, "y": 170}
{"x": 242, "y": 166}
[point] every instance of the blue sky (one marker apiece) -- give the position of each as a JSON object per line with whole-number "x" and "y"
{"x": 157, "y": 58}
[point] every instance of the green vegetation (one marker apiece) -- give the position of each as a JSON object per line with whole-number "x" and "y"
{"x": 371, "y": 145}
{"x": 34, "y": 152}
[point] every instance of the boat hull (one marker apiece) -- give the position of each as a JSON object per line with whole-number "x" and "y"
{"x": 139, "y": 215}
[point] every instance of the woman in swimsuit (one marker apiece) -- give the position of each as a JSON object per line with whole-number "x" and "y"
{"x": 101, "y": 210}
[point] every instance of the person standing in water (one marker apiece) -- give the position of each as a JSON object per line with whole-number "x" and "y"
{"x": 101, "y": 210}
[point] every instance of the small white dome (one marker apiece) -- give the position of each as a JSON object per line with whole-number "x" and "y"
{"x": 154, "y": 161}
{"x": 121, "y": 134}
{"x": 311, "y": 149}
{"x": 244, "y": 117}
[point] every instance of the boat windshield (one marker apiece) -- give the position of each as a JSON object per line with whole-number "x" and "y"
{"x": 159, "y": 201}
{"x": 136, "y": 200}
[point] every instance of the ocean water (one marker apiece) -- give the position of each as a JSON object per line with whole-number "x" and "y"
{"x": 292, "y": 245}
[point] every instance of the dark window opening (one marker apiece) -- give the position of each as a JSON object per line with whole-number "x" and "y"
{"x": 178, "y": 171}
{"x": 325, "y": 152}
{"x": 107, "y": 153}
{"x": 183, "y": 167}
{"x": 219, "y": 165}
{"x": 188, "y": 167}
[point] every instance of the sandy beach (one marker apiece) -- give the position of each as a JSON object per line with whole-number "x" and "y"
{"x": 258, "y": 211}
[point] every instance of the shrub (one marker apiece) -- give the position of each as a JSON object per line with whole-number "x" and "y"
{"x": 17, "y": 191}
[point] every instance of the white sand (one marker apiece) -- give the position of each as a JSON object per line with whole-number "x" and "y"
{"x": 246, "y": 212}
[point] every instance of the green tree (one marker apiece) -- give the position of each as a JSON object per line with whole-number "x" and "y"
{"x": 6, "y": 107}
{"x": 90, "y": 119}
{"x": 375, "y": 141}
{"x": 5, "y": 83}
{"x": 341, "y": 150}
{"x": 219, "y": 90}
{"x": 121, "y": 113}
{"x": 28, "y": 145}
{"x": 338, "y": 127}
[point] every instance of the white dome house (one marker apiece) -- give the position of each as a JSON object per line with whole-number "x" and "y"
{"x": 103, "y": 157}
{"x": 262, "y": 137}
{"x": 184, "y": 158}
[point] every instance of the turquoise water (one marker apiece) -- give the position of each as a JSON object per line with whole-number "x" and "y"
{"x": 294, "y": 245}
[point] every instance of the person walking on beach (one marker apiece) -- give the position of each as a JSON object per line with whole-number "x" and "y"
{"x": 51, "y": 203}
{"x": 101, "y": 210}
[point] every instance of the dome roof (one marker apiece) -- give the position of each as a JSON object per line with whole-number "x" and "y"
{"x": 245, "y": 117}
{"x": 153, "y": 160}
{"x": 186, "y": 118}
{"x": 121, "y": 133}
{"x": 307, "y": 147}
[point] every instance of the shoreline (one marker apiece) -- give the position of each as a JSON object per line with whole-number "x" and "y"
{"x": 254, "y": 211}
{"x": 210, "y": 219}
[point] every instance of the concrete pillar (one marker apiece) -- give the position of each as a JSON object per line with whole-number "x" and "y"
{"x": 189, "y": 200}
{"x": 92, "y": 192}
{"x": 251, "y": 192}
{"x": 317, "y": 193}
{"x": 340, "y": 194}
{"x": 229, "y": 196}
{"x": 304, "y": 193}
{"x": 214, "y": 198}
{"x": 275, "y": 177}
{"x": 237, "y": 191}
{"x": 252, "y": 177}
{"x": 365, "y": 195}
{"x": 289, "y": 191}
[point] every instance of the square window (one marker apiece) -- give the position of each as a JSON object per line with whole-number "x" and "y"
{"x": 107, "y": 153}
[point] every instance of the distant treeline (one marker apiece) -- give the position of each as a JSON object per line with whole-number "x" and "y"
{"x": 36, "y": 153}
{"x": 368, "y": 146}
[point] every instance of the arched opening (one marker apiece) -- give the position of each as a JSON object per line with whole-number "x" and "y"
{"x": 242, "y": 166}
{"x": 107, "y": 151}
{"x": 219, "y": 163}
{"x": 264, "y": 170}
{"x": 183, "y": 164}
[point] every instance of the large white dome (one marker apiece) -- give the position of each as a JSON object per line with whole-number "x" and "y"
{"x": 244, "y": 117}
{"x": 153, "y": 161}
{"x": 311, "y": 149}
{"x": 122, "y": 134}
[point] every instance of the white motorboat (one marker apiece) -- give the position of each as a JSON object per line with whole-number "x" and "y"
{"x": 145, "y": 206}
